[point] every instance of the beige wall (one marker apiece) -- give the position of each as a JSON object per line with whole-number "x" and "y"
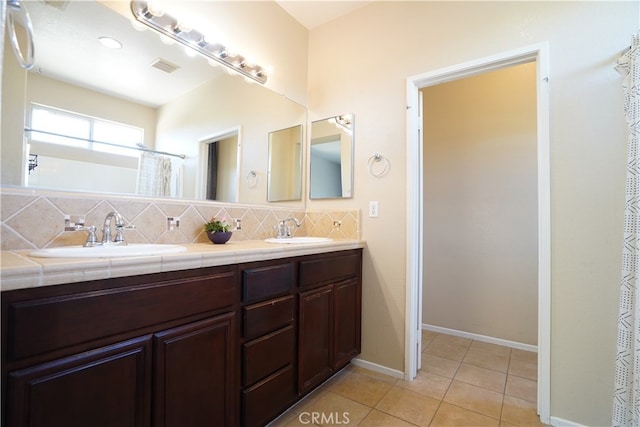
{"x": 480, "y": 205}
{"x": 360, "y": 63}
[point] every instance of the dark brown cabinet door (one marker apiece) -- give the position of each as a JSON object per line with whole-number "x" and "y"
{"x": 194, "y": 376}
{"x": 315, "y": 361}
{"x": 109, "y": 387}
{"x": 347, "y": 322}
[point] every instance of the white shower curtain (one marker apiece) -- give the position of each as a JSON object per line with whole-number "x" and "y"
{"x": 626, "y": 402}
{"x": 154, "y": 175}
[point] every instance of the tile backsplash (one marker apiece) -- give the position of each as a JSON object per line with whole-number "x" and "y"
{"x": 33, "y": 220}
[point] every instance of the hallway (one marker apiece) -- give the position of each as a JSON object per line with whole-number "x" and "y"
{"x": 463, "y": 382}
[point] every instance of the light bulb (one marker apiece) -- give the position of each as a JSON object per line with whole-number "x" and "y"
{"x": 154, "y": 10}
{"x": 183, "y": 28}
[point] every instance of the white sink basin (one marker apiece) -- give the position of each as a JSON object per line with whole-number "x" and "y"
{"x": 109, "y": 251}
{"x": 298, "y": 240}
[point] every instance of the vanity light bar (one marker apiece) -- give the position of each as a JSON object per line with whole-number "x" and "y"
{"x": 170, "y": 27}
{"x": 344, "y": 122}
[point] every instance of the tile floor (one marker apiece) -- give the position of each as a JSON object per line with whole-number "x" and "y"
{"x": 462, "y": 382}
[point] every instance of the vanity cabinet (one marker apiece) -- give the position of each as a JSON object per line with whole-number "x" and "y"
{"x": 224, "y": 346}
{"x": 330, "y": 301}
{"x": 268, "y": 340}
{"x": 146, "y": 350}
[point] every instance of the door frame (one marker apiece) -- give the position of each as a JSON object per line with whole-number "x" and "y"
{"x": 413, "y": 308}
{"x": 203, "y": 162}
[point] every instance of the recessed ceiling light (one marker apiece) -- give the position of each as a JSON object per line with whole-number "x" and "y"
{"x": 110, "y": 42}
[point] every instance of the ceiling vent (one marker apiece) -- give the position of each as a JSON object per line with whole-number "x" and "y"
{"x": 164, "y": 65}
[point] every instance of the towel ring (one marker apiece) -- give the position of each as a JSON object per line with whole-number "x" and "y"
{"x": 382, "y": 168}
{"x": 252, "y": 179}
{"x": 17, "y": 10}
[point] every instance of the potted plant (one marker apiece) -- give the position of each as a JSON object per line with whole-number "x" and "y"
{"x": 218, "y": 231}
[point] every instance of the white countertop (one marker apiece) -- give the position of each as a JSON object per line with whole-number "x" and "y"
{"x": 18, "y": 270}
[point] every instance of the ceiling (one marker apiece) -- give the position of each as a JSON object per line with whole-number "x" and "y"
{"x": 317, "y": 12}
{"x": 66, "y": 38}
{"x": 76, "y": 25}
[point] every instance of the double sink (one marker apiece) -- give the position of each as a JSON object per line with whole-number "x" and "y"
{"x": 143, "y": 249}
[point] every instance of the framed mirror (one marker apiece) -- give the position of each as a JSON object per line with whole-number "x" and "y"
{"x": 178, "y": 100}
{"x": 331, "y": 158}
{"x": 284, "y": 174}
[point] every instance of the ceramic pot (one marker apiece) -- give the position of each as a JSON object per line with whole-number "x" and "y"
{"x": 220, "y": 237}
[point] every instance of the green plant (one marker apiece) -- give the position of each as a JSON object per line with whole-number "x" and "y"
{"x": 217, "y": 226}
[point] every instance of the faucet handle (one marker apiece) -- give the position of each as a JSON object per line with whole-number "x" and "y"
{"x": 73, "y": 226}
{"x": 92, "y": 239}
{"x": 119, "y": 238}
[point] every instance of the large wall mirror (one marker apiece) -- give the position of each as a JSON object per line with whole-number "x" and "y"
{"x": 331, "y": 158}
{"x": 181, "y": 103}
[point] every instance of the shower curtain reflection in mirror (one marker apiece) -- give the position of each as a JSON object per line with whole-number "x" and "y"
{"x": 154, "y": 175}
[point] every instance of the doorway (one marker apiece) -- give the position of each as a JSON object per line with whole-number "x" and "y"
{"x": 480, "y": 207}
{"x": 220, "y": 166}
{"x": 415, "y": 211}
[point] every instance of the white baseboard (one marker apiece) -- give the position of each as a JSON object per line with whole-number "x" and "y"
{"x": 483, "y": 338}
{"x": 560, "y": 422}
{"x": 378, "y": 368}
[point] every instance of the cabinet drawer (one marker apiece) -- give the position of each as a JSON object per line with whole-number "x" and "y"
{"x": 267, "y": 354}
{"x": 267, "y": 316}
{"x": 265, "y": 282}
{"x": 56, "y": 322}
{"x": 264, "y": 401}
{"x": 326, "y": 269}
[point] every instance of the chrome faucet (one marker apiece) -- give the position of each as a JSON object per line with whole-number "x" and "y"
{"x": 107, "y": 233}
{"x": 284, "y": 231}
{"x": 107, "y": 237}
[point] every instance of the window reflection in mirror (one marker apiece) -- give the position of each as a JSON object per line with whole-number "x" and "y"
{"x": 284, "y": 174}
{"x": 95, "y": 154}
{"x": 331, "y": 152}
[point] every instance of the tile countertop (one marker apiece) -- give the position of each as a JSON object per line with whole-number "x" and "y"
{"x": 18, "y": 270}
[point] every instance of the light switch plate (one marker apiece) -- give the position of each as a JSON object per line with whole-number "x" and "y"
{"x": 373, "y": 209}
